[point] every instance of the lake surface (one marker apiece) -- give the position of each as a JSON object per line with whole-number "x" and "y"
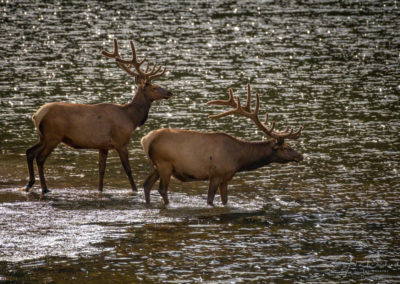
{"x": 331, "y": 66}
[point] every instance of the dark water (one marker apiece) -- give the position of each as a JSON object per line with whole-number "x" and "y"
{"x": 331, "y": 66}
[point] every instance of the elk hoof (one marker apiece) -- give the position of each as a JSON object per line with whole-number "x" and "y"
{"x": 27, "y": 187}
{"x": 44, "y": 191}
{"x": 133, "y": 193}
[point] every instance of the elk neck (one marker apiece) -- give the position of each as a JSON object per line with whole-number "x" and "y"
{"x": 139, "y": 107}
{"x": 253, "y": 155}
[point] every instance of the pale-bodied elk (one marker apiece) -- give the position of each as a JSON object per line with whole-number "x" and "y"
{"x": 103, "y": 126}
{"x": 191, "y": 155}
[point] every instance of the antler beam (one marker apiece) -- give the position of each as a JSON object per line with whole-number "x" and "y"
{"x": 125, "y": 64}
{"x": 253, "y": 115}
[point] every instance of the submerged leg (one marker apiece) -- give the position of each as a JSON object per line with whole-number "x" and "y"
{"x": 123, "y": 155}
{"x": 102, "y": 167}
{"x": 223, "y": 191}
{"x": 149, "y": 182}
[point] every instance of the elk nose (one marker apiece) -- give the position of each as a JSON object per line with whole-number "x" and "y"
{"x": 169, "y": 94}
{"x": 299, "y": 158}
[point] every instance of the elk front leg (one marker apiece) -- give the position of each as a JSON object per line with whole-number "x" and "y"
{"x": 102, "y": 167}
{"x": 223, "y": 191}
{"x": 123, "y": 155}
{"x": 149, "y": 182}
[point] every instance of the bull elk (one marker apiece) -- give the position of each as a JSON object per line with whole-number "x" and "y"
{"x": 102, "y": 126}
{"x": 193, "y": 156}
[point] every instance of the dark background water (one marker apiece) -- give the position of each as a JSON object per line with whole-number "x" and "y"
{"x": 331, "y": 66}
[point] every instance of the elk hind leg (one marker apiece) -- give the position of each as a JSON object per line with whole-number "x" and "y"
{"x": 41, "y": 158}
{"x": 31, "y": 154}
{"x": 212, "y": 189}
{"x": 223, "y": 191}
{"x": 165, "y": 176}
{"x": 149, "y": 182}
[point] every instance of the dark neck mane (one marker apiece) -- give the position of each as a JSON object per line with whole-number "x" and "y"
{"x": 254, "y": 155}
{"x": 139, "y": 108}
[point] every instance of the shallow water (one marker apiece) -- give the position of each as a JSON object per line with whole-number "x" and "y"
{"x": 330, "y": 66}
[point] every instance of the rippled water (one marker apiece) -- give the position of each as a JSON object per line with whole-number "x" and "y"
{"x": 332, "y": 66}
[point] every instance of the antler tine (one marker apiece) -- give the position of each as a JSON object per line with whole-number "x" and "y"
{"x": 239, "y": 107}
{"x": 115, "y": 53}
{"x": 232, "y": 111}
{"x": 296, "y": 134}
{"x": 127, "y": 69}
{"x": 152, "y": 77}
{"x": 158, "y": 69}
{"x": 248, "y": 102}
{"x": 228, "y": 102}
{"x": 133, "y": 61}
{"x": 133, "y": 50}
{"x": 154, "y": 73}
{"x": 154, "y": 70}
{"x": 257, "y": 104}
{"x": 287, "y": 134}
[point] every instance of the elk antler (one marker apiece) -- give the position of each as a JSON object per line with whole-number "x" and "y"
{"x": 246, "y": 111}
{"x": 126, "y": 64}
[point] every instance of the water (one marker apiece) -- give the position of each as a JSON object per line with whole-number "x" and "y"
{"x": 332, "y": 67}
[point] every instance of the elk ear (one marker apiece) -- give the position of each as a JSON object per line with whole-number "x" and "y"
{"x": 278, "y": 144}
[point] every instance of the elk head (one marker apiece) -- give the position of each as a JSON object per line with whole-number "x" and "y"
{"x": 143, "y": 78}
{"x": 282, "y": 152}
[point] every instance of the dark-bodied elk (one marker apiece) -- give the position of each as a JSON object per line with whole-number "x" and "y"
{"x": 191, "y": 155}
{"x": 102, "y": 126}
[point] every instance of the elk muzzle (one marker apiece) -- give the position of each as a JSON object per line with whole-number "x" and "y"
{"x": 298, "y": 158}
{"x": 169, "y": 94}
